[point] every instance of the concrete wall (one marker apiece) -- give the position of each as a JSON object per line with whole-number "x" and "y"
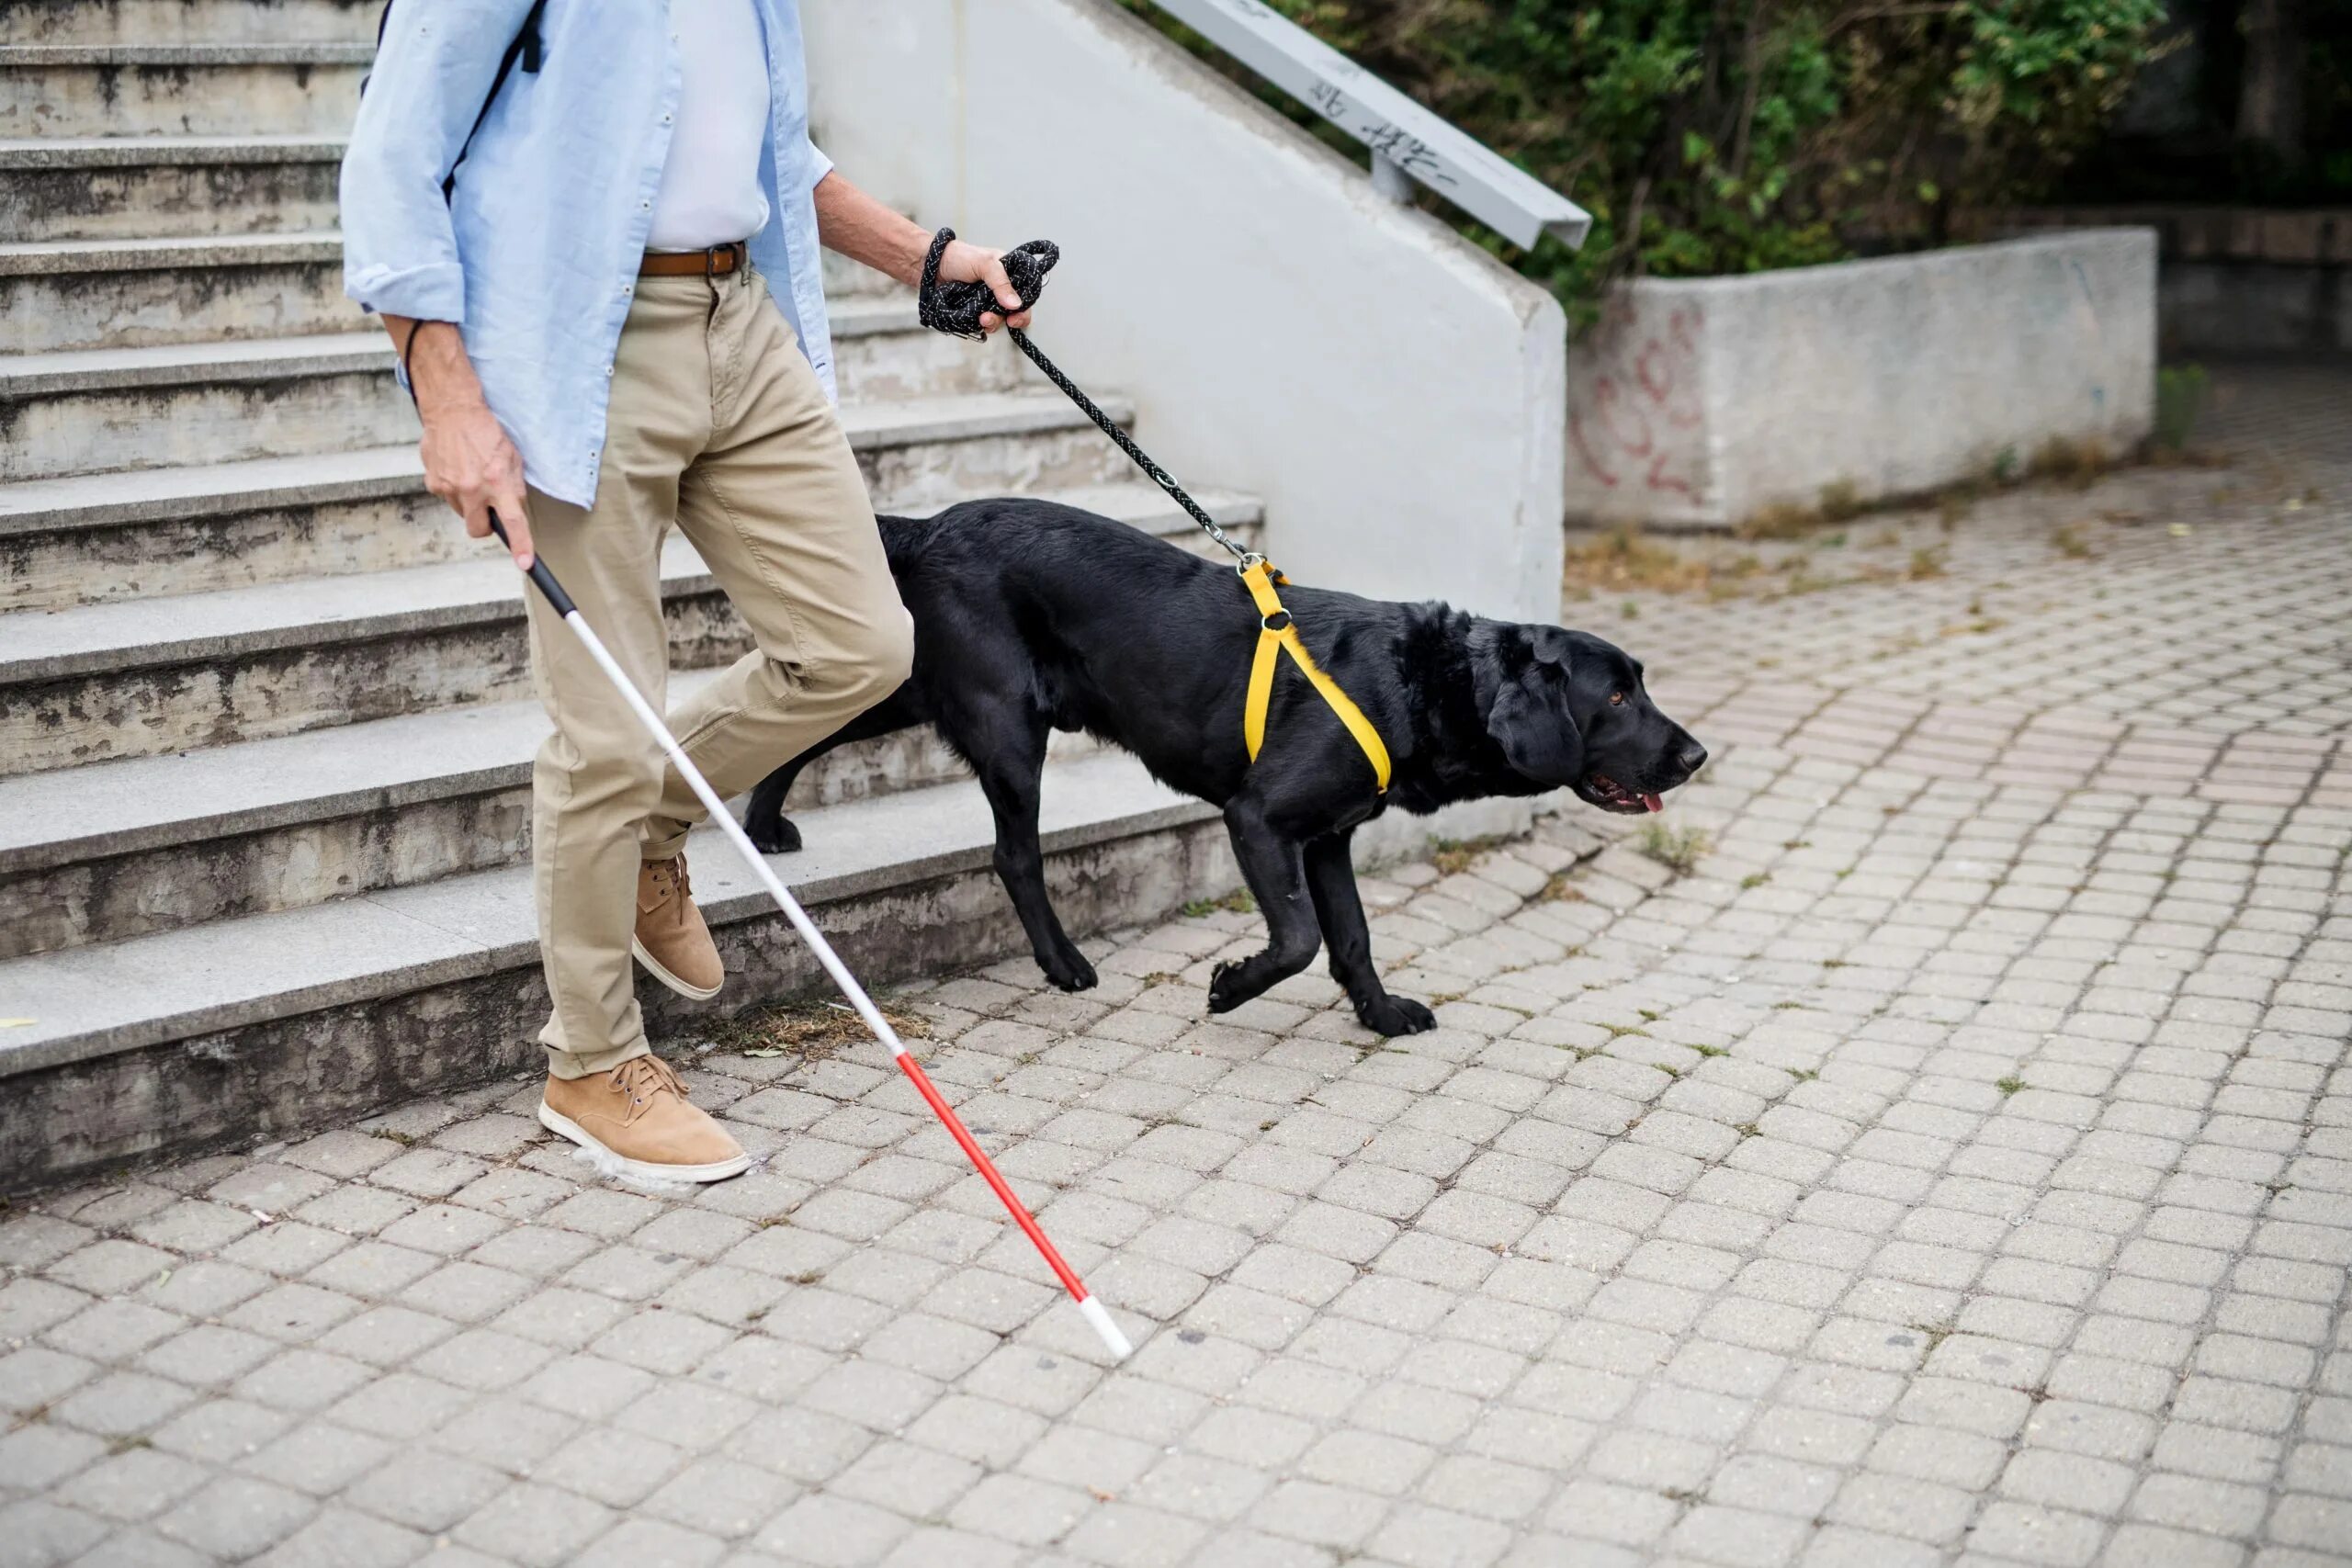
{"x": 2232, "y": 280}
{"x": 1700, "y": 402}
{"x": 2225, "y": 308}
{"x": 1393, "y": 394}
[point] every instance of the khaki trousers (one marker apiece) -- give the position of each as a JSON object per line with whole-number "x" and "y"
{"x": 719, "y": 425}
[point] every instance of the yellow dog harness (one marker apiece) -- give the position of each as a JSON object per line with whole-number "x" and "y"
{"x": 1277, "y": 630}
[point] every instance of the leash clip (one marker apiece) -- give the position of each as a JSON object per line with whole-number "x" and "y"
{"x": 1251, "y": 560}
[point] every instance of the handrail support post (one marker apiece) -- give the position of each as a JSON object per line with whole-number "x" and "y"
{"x": 1389, "y": 178}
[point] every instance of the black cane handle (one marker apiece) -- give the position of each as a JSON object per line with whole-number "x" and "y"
{"x": 541, "y": 577}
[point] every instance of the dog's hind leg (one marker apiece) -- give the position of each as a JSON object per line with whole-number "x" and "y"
{"x": 1009, "y": 765}
{"x": 771, "y": 832}
{"x": 1331, "y": 880}
{"x": 1272, "y": 865}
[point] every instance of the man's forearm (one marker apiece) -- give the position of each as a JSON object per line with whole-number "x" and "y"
{"x": 862, "y": 229}
{"x": 439, "y": 373}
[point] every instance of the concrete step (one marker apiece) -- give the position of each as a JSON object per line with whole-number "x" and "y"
{"x": 96, "y": 410}
{"x": 881, "y": 351}
{"x": 270, "y": 1024}
{"x": 59, "y": 296}
{"x": 103, "y": 538}
{"x": 88, "y": 22}
{"x": 62, "y": 296}
{"x": 144, "y": 677}
{"x": 127, "y": 849}
{"x": 132, "y": 187}
{"x": 93, "y": 411}
{"x": 276, "y": 88}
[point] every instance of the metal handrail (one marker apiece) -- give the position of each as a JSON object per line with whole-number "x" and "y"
{"x": 1408, "y": 141}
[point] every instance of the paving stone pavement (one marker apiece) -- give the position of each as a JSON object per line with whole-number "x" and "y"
{"x": 1953, "y": 1165}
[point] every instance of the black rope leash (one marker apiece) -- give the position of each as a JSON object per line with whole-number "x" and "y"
{"x": 957, "y": 308}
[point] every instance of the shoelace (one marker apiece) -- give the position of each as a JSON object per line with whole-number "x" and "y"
{"x": 644, "y": 1079}
{"x": 671, "y": 875}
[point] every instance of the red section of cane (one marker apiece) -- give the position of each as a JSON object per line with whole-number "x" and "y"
{"x": 997, "y": 1184}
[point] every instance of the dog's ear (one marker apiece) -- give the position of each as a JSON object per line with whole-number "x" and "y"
{"x": 1550, "y": 644}
{"x": 1530, "y": 718}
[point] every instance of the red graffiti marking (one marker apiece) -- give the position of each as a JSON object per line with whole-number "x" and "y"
{"x": 1649, "y": 381}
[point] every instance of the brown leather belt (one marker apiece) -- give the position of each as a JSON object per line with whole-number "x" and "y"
{"x": 716, "y": 262}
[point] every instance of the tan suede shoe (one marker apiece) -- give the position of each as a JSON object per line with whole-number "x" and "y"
{"x": 671, "y": 940}
{"x": 638, "y": 1114}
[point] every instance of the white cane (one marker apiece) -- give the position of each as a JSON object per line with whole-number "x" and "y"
{"x": 1092, "y": 1309}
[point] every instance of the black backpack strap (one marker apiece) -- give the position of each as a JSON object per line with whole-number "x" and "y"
{"x": 527, "y": 47}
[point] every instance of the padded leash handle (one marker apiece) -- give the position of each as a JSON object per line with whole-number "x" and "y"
{"x": 957, "y": 308}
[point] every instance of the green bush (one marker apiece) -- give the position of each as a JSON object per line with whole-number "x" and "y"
{"x": 1725, "y": 138}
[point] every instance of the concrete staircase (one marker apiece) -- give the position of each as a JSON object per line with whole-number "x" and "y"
{"x": 266, "y": 720}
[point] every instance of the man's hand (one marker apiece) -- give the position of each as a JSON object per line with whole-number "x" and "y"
{"x": 862, "y": 229}
{"x": 963, "y": 261}
{"x": 469, "y": 461}
{"x": 470, "y": 464}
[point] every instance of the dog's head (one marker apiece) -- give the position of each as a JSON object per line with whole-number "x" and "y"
{"x": 1570, "y": 709}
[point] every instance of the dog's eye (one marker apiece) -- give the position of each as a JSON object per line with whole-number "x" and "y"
{"x": 1616, "y": 699}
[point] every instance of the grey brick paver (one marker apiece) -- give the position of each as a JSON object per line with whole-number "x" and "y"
{"x": 1955, "y": 1167}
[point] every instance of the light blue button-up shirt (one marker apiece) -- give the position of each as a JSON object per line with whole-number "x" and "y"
{"x": 535, "y": 253}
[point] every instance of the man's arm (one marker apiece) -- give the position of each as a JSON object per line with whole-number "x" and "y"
{"x": 425, "y": 92}
{"x": 862, "y": 229}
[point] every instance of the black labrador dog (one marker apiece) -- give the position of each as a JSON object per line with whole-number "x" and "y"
{"x": 1031, "y": 616}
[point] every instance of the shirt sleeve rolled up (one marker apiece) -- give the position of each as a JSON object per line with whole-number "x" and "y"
{"x": 430, "y": 76}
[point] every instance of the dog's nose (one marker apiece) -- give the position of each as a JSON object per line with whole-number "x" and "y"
{"x": 1692, "y": 758}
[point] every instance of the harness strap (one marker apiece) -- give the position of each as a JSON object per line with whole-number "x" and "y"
{"x": 1277, "y": 630}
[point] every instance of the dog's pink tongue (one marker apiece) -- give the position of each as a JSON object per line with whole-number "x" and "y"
{"x": 1654, "y": 803}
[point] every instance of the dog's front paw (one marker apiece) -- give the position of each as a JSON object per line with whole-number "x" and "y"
{"x": 1068, "y": 971}
{"x": 1229, "y": 987}
{"x": 1397, "y": 1015}
{"x": 773, "y": 834}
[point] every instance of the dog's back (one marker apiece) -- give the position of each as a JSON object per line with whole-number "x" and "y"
{"x": 1104, "y": 627}
{"x": 1028, "y": 552}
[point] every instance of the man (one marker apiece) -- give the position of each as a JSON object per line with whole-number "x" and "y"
{"x": 614, "y": 320}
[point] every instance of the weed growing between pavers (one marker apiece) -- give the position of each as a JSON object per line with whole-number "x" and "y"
{"x": 1795, "y": 540}
{"x": 2078, "y": 463}
{"x": 1676, "y": 849}
{"x": 1452, "y": 856}
{"x": 1625, "y": 558}
{"x": 1237, "y": 902}
{"x": 2180, "y": 398}
{"x": 811, "y": 1030}
{"x": 1561, "y": 889}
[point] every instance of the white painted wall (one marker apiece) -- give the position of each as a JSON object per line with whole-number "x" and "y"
{"x": 1700, "y": 402}
{"x": 1394, "y": 395}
